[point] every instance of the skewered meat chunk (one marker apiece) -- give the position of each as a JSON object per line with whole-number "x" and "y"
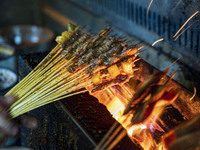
{"x": 70, "y": 49}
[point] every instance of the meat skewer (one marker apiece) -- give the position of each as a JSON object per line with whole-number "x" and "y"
{"x": 69, "y": 67}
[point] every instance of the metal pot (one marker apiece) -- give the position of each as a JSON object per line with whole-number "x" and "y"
{"x": 27, "y": 38}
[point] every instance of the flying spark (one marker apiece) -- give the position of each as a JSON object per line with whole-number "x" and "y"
{"x": 195, "y": 91}
{"x": 185, "y": 23}
{"x": 157, "y": 41}
{"x": 184, "y": 30}
{"x": 149, "y": 6}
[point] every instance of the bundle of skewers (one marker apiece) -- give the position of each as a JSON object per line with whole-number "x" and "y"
{"x": 80, "y": 62}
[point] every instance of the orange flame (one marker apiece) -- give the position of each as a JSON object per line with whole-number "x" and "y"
{"x": 141, "y": 132}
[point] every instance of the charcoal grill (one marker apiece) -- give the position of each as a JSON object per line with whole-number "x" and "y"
{"x": 128, "y": 18}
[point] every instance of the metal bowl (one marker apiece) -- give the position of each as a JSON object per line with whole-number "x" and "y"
{"x": 27, "y": 38}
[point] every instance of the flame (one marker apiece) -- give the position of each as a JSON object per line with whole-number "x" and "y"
{"x": 116, "y": 108}
{"x": 134, "y": 128}
{"x": 141, "y": 132}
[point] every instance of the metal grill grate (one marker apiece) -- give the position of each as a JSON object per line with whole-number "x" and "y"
{"x": 129, "y": 14}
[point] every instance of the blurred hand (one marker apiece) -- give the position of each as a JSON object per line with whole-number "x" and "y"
{"x": 8, "y": 127}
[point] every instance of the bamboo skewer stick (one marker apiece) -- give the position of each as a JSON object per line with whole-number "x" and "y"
{"x": 59, "y": 92}
{"x": 28, "y": 93}
{"x": 31, "y": 73}
{"x": 42, "y": 104}
{"x": 32, "y": 77}
{"x": 46, "y": 98}
{"x": 50, "y": 80}
{"x": 57, "y": 81}
{"x": 37, "y": 75}
{"x": 42, "y": 79}
{"x": 35, "y": 85}
{"x": 113, "y": 136}
{"x": 37, "y": 78}
{"x": 52, "y": 55}
{"x": 48, "y": 89}
{"x": 117, "y": 139}
{"x": 18, "y": 87}
{"x": 64, "y": 89}
{"x": 62, "y": 97}
{"x": 107, "y": 135}
{"x": 44, "y": 91}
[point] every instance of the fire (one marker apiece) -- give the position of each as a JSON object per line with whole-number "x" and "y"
{"x": 134, "y": 128}
{"x": 149, "y": 102}
{"x": 116, "y": 106}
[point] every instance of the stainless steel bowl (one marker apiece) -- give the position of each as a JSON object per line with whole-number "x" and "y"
{"x": 27, "y": 38}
